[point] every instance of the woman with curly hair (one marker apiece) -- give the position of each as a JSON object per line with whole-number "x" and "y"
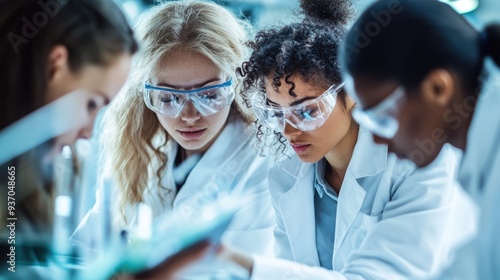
{"x": 345, "y": 207}
{"x": 177, "y": 136}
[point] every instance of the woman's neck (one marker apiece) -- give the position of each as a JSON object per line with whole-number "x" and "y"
{"x": 339, "y": 157}
{"x": 465, "y": 111}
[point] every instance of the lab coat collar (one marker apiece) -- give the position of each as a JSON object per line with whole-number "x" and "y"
{"x": 368, "y": 158}
{"x": 320, "y": 183}
{"x": 359, "y": 166}
{"x": 298, "y": 213}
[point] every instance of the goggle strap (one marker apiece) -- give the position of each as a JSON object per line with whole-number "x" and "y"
{"x": 191, "y": 91}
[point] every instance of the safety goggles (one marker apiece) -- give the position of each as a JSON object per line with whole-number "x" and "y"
{"x": 170, "y": 102}
{"x": 306, "y": 116}
{"x": 377, "y": 119}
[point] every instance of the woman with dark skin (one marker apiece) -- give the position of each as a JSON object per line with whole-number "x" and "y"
{"x": 425, "y": 78}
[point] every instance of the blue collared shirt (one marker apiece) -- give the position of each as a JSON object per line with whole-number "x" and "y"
{"x": 325, "y": 208}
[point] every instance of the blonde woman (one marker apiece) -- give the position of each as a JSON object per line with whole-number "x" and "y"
{"x": 178, "y": 136}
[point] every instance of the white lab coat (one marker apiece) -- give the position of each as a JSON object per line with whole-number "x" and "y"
{"x": 231, "y": 165}
{"x": 393, "y": 221}
{"x": 480, "y": 176}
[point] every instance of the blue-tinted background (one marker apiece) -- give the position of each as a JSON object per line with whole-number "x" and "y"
{"x": 262, "y": 14}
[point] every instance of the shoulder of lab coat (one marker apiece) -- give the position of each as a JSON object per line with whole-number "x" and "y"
{"x": 480, "y": 176}
{"x": 393, "y": 221}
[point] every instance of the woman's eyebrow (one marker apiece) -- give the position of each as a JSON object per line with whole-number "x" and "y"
{"x": 271, "y": 102}
{"x": 296, "y": 102}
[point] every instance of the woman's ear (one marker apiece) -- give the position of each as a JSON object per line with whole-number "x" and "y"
{"x": 60, "y": 75}
{"x": 58, "y": 62}
{"x": 438, "y": 87}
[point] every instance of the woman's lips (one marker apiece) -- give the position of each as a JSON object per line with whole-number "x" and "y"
{"x": 300, "y": 148}
{"x": 192, "y": 133}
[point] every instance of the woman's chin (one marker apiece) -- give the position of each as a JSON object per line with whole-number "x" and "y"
{"x": 309, "y": 157}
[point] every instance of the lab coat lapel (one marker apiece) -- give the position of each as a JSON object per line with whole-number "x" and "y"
{"x": 349, "y": 203}
{"x": 297, "y": 208}
{"x": 368, "y": 159}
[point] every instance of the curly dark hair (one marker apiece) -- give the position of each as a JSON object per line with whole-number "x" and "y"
{"x": 308, "y": 48}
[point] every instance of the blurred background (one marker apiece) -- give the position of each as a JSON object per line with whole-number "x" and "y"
{"x": 262, "y": 14}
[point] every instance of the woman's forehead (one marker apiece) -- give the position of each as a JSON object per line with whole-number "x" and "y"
{"x": 296, "y": 83}
{"x": 292, "y": 93}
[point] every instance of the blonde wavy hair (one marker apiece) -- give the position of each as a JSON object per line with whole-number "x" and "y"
{"x": 133, "y": 137}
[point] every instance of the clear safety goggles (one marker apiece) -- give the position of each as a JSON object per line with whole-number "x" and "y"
{"x": 306, "y": 116}
{"x": 377, "y": 119}
{"x": 170, "y": 102}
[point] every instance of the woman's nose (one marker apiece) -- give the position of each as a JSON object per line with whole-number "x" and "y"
{"x": 86, "y": 132}
{"x": 189, "y": 113}
{"x": 290, "y": 131}
{"x": 88, "y": 126}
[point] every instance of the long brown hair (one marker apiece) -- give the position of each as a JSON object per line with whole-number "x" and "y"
{"x": 93, "y": 31}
